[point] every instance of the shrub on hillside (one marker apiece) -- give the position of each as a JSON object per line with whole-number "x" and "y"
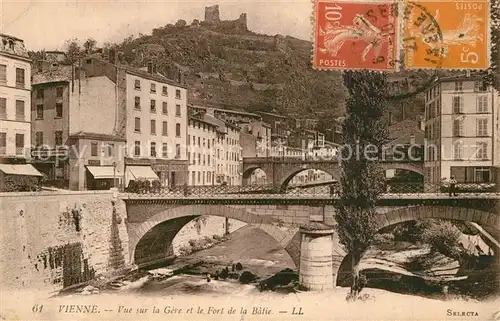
{"x": 412, "y": 231}
{"x": 443, "y": 236}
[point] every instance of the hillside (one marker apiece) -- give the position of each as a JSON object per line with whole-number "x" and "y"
{"x": 225, "y": 64}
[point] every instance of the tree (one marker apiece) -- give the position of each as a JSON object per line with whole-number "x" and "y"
{"x": 362, "y": 181}
{"x": 89, "y": 45}
{"x": 180, "y": 23}
{"x": 73, "y": 50}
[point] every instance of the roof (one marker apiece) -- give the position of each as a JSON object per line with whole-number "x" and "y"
{"x": 19, "y": 169}
{"x": 399, "y": 133}
{"x": 156, "y": 77}
{"x": 97, "y": 136}
{"x": 229, "y": 111}
{"x": 55, "y": 51}
{"x": 202, "y": 121}
{"x": 462, "y": 77}
{"x": 56, "y": 74}
{"x": 272, "y": 114}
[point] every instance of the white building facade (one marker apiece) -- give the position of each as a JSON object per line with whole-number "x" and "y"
{"x": 202, "y": 136}
{"x": 15, "y": 99}
{"x": 461, "y": 131}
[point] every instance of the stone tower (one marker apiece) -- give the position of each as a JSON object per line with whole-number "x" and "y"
{"x": 212, "y": 14}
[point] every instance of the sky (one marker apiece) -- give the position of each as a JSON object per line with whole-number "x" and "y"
{"x": 47, "y": 24}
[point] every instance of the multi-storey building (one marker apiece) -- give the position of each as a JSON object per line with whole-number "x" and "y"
{"x": 461, "y": 130}
{"x": 152, "y": 117}
{"x": 74, "y": 120}
{"x": 251, "y": 124}
{"x": 202, "y": 136}
{"x": 15, "y": 100}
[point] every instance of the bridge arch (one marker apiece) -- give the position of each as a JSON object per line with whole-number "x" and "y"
{"x": 489, "y": 221}
{"x": 291, "y": 172}
{"x": 247, "y": 173}
{"x": 170, "y": 221}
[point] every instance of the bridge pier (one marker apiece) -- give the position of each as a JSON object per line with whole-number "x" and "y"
{"x": 315, "y": 273}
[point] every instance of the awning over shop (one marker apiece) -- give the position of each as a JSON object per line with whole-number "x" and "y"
{"x": 103, "y": 172}
{"x": 142, "y": 172}
{"x": 19, "y": 169}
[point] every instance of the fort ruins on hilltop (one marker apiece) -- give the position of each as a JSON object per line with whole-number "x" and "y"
{"x": 212, "y": 17}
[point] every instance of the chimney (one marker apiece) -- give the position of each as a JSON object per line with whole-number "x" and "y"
{"x": 154, "y": 68}
{"x": 390, "y": 118}
{"x": 412, "y": 139}
{"x": 467, "y": 73}
{"x": 150, "y": 68}
{"x": 421, "y": 122}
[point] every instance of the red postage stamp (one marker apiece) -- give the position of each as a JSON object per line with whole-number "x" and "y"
{"x": 353, "y": 34}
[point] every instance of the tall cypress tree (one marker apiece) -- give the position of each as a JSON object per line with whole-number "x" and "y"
{"x": 362, "y": 181}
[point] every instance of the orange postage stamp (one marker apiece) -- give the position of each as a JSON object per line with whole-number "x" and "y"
{"x": 446, "y": 34}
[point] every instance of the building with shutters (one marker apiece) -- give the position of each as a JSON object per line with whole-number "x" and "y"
{"x": 202, "y": 136}
{"x": 15, "y": 100}
{"x": 461, "y": 130}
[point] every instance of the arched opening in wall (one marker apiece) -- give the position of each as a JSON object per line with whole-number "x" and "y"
{"x": 255, "y": 176}
{"x": 309, "y": 180}
{"x": 203, "y": 238}
{"x": 423, "y": 256}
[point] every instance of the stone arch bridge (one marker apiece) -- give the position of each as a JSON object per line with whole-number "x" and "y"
{"x": 281, "y": 170}
{"x": 303, "y": 227}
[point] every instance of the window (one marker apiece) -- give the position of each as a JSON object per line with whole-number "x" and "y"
{"x": 199, "y": 159}
{"x": 20, "y": 81}
{"x": 20, "y": 110}
{"x": 153, "y": 149}
{"x": 204, "y": 142}
{"x": 58, "y": 138}
{"x": 137, "y": 148}
{"x": 111, "y": 148}
{"x": 59, "y": 92}
{"x": 93, "y": 149}
{"x": 458, "y": 86}
{"x": 480, "y": 86}
{"x": 482, "y": 150}
{"x": 482, "y": 174}
{"x": 59, "y": 110}
{"x": 208, "y": 141}
{"x": 137, "y": 103}
{"x": 482, "y": 127}
{"x": 178, "y": 93}
{"x": 40, "y": 93}
{"x": 178, "y": 111}
{"x": 204, "y": 159}
{"x": 164, "y": 150}
{"x": 199, "y": 177}
{"x": 38, "y": 139}
{"x": 457, "y": 104}
{"x": 3, "y": 74}
{"x": 482, "y": 104}
{"x": 194, "y": 140}
{"x": 164, "y": 91}
{"x": 39, "y": 111}
{"x": 199, "y": 142}
{"x": 164, "y": 108}
{"x": 209, "y": 178}
{"x": 137, "y": 127}
{"x": 3, "y": 108}
{"x": 19, "y": 144}
{"x": 153, "y": 127}
{"x": 164, "y": 129}
{"x": 178, "y": 130}
{"x": 193, "y": 177}
{"x": 137, "y": 84}
{"x": 153, "y": 88}
{"x": 153, "y": 106}
{"x": 458, "y": 151}
{"x": 3, "y": 143}
{"x": 177, "y": 150}
{"x": 208, "y": 156}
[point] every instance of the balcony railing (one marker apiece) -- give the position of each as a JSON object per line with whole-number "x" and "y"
{"x": 328, "y": 191}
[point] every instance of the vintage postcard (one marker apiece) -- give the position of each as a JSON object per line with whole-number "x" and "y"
{"x": 243, "y": 160}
